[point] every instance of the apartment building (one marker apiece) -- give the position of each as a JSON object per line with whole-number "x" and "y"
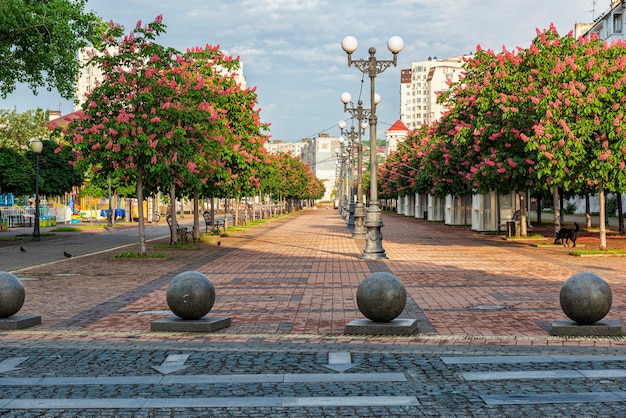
{"x": 609, "y": 25}
{"x": 319, "y": 154}
{"x": 419, "y": 86}
{"x": 278, "y": 145}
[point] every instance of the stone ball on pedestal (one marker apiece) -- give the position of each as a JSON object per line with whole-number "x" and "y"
{"x": 12, "y": 294}
{"x": 586, "y": 298}
{"x": 381, "y": 297}
{"x": 190, "y": 295}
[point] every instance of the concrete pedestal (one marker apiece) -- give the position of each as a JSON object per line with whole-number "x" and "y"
{"x": 19, "y": 322}
{"x": 176, "y": 324}
{"x": 603, "y": 328}
{"x": 394, "y": 327}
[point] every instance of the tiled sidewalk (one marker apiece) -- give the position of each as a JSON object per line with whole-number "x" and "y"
{"x": 295, "y": 280}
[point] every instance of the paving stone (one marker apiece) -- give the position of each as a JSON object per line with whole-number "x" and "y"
{"x": 290, "y": 304}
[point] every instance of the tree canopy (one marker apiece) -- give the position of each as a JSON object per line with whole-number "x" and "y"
{"x": 18, "y": 176}
{"x": 17, "y": 129}
{"x": 39, "y": 41}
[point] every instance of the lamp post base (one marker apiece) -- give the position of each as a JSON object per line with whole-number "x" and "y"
{"x": 359, "y": 221}
{"x": 374, "y": 245}
{"x": 36, "y": 231}
{"x": 351, "y": 215}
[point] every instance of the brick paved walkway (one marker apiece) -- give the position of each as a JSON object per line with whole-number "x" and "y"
{"x": 295, "y": 280}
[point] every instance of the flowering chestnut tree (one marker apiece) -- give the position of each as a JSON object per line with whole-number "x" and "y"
{"x": 155, "y": 119}
{"x": 581, "y": 142}
{"x": 548, "y": 117}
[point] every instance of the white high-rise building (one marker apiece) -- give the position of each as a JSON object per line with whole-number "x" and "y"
{"x": 319, "y": 154}
{"x": 419, "y": 86}
{"x": 277, "y": 145}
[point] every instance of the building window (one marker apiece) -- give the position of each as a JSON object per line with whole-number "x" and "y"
{"x": 617, "y": 23}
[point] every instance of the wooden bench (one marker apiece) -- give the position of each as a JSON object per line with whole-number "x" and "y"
{"x": 182, "y": 233}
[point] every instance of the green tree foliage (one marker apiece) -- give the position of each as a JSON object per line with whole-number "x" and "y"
{"x": 17, "y": 129}
{"x": 39, "y": 41}
{"x": 18, "y": 175}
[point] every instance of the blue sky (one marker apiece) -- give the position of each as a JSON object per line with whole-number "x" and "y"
{"x": 291, "y": 49}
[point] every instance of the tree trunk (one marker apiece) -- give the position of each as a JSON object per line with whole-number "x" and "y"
{"x": 522, "y": 224}
{"x": 602, "y": 218}
{"x": 587, "y": 211}
{"x": 236, "y": 213}
{"x": 620, "y": 213}
{"x": 196, "y": 221}
{"x": 561, "y": 208}
{"x": 142, "y": 230}
{"x": 173, "y": 233}
{"x": 498, "y": 218}
{"x": 212, "y": 211}
{"x": 225, "y": 214}
{"x": 539, "y": 209}
{"x": 557, "y": 210}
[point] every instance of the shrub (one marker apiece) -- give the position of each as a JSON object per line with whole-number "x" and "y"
{"x": 570, "y": 208}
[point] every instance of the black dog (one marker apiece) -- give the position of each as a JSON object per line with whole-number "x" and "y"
{"x": 565, "y": 235}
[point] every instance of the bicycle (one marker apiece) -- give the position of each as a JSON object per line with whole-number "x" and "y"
{"x": 156, "y": 217}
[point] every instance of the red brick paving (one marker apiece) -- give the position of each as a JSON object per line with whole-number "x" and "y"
{"x": 295, "y": 279}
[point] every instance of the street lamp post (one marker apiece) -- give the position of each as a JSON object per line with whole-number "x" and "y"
{"x": 345, "y": 164}
{"x": 372, "y": 66}
{"x": 351, "y": 136}
{"x": 110, "y": 211}
{"x": 339, "y": 175}
{"x": 36, "y": 146}
{"x": 361, "y": 114}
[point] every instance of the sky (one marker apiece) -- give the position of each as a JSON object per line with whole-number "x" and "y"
{"x": 291, "y": 49}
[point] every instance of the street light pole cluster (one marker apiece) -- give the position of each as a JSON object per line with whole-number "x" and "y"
{"x": 373, "y": 66}
{"x": 361, "y": 114}
{"x": 341, "y": 177}
{"x": 348, "y": 139}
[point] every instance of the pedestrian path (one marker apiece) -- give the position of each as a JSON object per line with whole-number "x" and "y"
{"x": 296, "y": 278}
{"x": 484, "y": 307}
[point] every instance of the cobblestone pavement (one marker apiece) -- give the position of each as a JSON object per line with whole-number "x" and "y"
{"x": 484, "y": 307}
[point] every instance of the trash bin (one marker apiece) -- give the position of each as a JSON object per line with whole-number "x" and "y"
{"x": 425, "y": 215}
{"x": 512, "y": 228}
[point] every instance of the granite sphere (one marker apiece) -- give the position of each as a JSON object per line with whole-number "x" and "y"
{"x": 190, "y": 295}
{"x": 381, "y": 297}
{"x": 12, "y": 294}
{"x": 586, "y": 298}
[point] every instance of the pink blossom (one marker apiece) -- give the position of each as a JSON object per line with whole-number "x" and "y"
{"x": 605, "y": 155}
